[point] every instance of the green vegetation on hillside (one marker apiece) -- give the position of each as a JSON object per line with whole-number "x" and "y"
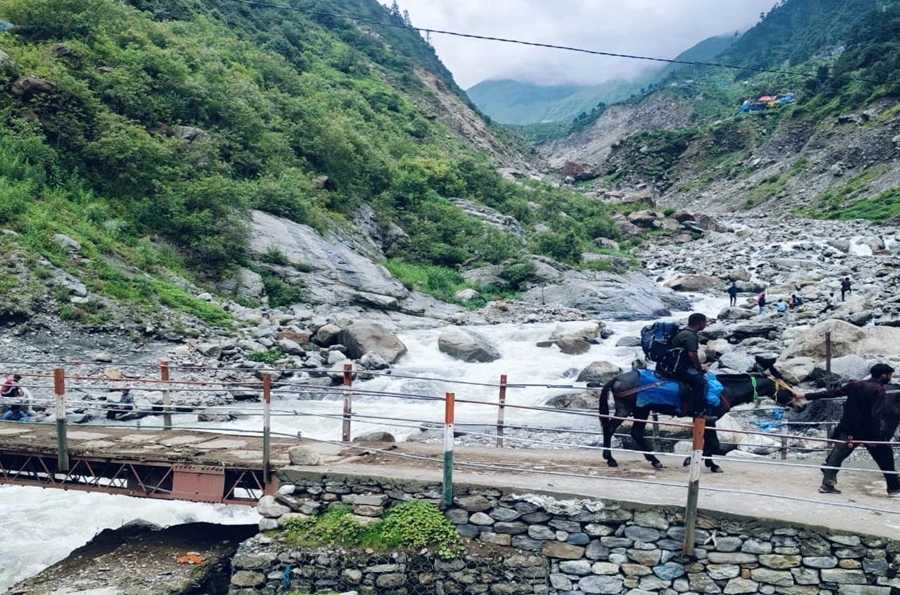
{"x": 147, "y": 131}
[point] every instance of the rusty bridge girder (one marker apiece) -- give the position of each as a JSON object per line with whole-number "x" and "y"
{"x": 142, "y": 479}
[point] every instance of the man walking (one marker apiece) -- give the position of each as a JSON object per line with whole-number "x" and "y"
{"x": 682, "y": 361}
{"x": 867, "y": 417}
{"x": 846, "y": 287}
{"x": 732, "y": 294}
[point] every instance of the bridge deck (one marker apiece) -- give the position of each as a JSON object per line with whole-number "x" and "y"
{"x": 176, "y": 464}
{"x": 161, "y": 446}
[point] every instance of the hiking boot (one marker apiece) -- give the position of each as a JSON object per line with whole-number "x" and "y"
{"x": 894, "y": 493}
{"x": 830, "y": 489}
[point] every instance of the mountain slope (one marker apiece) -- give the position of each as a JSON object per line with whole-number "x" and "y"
{"x": 831, "y": 153}
{"x": 137, "y": 137}
{"x": 515, "y": 102}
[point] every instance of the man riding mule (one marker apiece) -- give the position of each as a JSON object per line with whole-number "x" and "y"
{"x": 638, "y": 392}
{"x": 682, "y": 362}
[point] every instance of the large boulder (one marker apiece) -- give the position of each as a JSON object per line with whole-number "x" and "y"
{"x": 795, "y": 370}
{"x": 572, "y": 345}
{"x": 848, "y": 367}
{"x": 466, "y": 345}
{"x": 362, "y": 337}
{"x": 599, "y": 373}
{"x": 694, "y": 283}
{"x": 330, "y": 269}
{"x": 845, "y": 339}
{"x": 608, "y": 296}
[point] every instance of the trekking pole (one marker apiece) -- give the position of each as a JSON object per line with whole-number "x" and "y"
{"x": 59, "y": 387}
{"x": 828, "y": 352}
{"x": 690, "y": 513}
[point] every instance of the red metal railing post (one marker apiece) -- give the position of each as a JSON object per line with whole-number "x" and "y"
{"x": 167, "y": 412}
{"x": 267, "y": 434}
{"x": 501, "y": 411}
{"x": 59, "y": 387}
{"x": 348, "y": 380}
{"x": 690, "y": 514}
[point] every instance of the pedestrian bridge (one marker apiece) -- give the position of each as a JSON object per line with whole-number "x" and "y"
{"x": 227, "y": 468}
{"x": 178, "y": 463}
{"x": 168, "y": 465}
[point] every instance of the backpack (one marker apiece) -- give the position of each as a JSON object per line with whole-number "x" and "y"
{"x": 655, "y": 339}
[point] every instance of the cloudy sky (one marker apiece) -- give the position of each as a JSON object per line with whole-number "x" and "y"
{"x": 658, "y": 28}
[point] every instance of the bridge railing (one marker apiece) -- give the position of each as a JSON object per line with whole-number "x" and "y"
{"x": 351, "y": 402}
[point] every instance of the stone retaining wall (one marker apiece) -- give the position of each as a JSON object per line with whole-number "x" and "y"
{"x": 543, "y": 544}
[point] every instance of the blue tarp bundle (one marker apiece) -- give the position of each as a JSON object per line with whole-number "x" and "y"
{"x": 670, "y": 393}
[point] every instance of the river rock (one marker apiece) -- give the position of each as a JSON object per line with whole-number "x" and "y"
{"x": 362, "y": 337}
{"x": 694, "y": 283}
{"x": 599, "y": 373}
{"x": 467, "y": 345}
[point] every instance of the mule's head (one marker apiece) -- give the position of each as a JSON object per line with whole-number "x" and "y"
{"x": 788, "y": 396}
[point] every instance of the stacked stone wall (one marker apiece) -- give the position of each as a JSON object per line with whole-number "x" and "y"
{"x": 546, "y": 544}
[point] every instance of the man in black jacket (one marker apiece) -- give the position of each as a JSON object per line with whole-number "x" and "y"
{"x": 682, "y": 361}
{"x": 866, "y": 417}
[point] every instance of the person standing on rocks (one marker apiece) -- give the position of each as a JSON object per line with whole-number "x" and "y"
{"x": 682, "y": 361}
{"x": 761, "y": 301}
{"x": 846, "y": 287}
{"x": 732, "y": 294}
{"x": 868, "y": 416}
{"x": 830, "y": 305}
{"x": 11, "y": 389}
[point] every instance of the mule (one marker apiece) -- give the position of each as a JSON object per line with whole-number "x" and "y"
{"x": 738, "y": 389}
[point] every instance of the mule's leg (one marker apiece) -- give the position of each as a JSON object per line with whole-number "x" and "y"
{"x": 609, "y": 428}
{"x": 710, "y": 447}
{"x": 638, "y": 429}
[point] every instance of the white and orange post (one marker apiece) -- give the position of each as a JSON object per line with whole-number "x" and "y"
{"x": 501, "y": 411}
{"x": 690, "y": 511}
{"x": 267, "y": 428}
{"x": 449, "y": 406}
{"x": 166, "y": 398}
{"x": 348, "y": 410}
{"x": 59, "y": 388}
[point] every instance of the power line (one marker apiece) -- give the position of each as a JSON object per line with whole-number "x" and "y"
{"x": 428, "y": 33}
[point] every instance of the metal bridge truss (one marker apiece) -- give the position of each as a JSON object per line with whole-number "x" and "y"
{"x": 135, "y": 478}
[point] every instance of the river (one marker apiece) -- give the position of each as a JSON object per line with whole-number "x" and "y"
{"x": 39, "y": 527}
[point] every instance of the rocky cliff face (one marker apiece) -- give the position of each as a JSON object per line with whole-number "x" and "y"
{"x": 756, "y": 163}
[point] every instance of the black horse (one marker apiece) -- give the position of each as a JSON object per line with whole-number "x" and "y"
{"x": 739, "y": 389}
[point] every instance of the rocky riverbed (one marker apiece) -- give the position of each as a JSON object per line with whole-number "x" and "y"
{"x": 314, "y": 342}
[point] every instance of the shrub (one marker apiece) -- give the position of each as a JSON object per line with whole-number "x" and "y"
{"x": 408, "y": 526}
{"x": 267, "y": 357}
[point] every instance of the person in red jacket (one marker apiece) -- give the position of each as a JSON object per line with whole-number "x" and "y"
{"x": 11, "y": 389}
{"x": 867, "y": 417}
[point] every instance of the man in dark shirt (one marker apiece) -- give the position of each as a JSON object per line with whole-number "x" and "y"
{"x": 732, "y": 294}
{"x": 862, "y": 421}
{"x": 846, "y": 287}
{"x": 683, "y": 363}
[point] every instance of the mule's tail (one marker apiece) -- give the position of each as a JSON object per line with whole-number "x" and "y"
{"x": 603, "y": 406}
